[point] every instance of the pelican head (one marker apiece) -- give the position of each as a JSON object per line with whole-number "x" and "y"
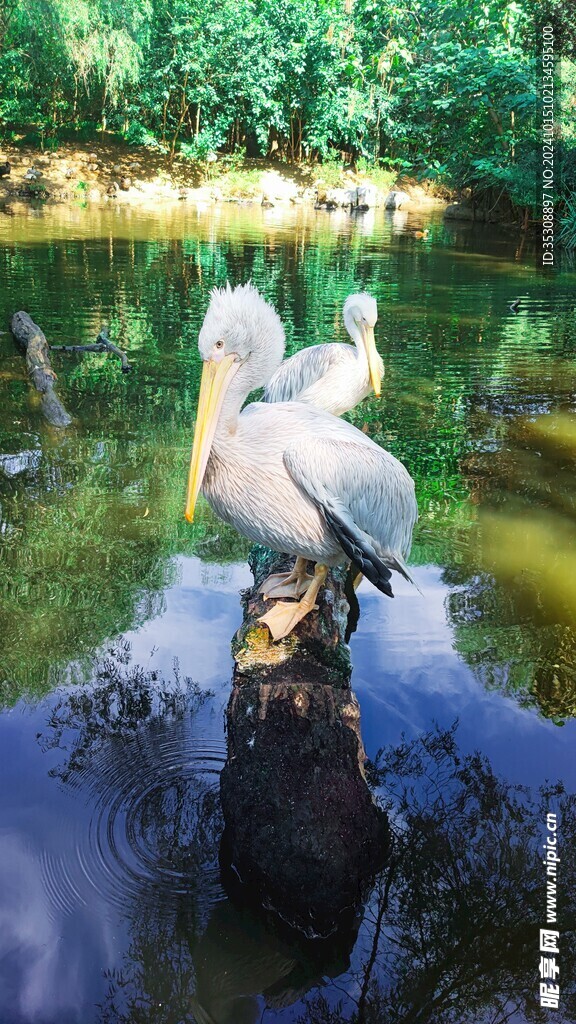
{"x": 360, "y": 316}
{"x": 241, "y": 343}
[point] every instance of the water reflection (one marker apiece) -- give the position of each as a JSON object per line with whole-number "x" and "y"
{"x": 126, "y": 742}
{"x": 452, "y": 930}
{"x": 111, "y": 905}
{"x": 105, "y": 501}
{"x": 448, "y": 932}
{"x": 514, "y": 616}
{"x": 113, "y": 908}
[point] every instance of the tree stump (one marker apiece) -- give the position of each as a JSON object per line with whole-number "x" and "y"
{"x": 302, "y": 828}
{"x": 33, "y": 341}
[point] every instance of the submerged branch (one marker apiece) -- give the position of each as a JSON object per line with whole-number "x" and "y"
{"x": 102, "y": 344}
{"x": 33, "y": 341}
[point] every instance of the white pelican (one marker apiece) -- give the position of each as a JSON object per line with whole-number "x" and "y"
{"x": 334, "y": 377}
{"x": 289, "y": 475}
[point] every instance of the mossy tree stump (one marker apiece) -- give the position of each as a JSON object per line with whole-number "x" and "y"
{"x": 302, "y": 828}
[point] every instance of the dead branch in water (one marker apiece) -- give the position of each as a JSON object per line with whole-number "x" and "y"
{"x": 102, "y": 344}
{"x": 33, "y": 341}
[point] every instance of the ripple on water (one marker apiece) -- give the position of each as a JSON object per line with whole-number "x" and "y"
{"x": 153, "y": 827}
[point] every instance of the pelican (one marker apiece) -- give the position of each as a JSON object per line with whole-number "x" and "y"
{"x": 289, "y": 475}
{"x": 334, "y": 377}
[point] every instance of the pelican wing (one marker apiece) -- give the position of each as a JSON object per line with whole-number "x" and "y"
{"x": 366, "y": 497}
{"x": 296, "y": 375}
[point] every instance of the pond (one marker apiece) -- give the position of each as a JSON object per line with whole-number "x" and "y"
{"x": 116, "y": 619}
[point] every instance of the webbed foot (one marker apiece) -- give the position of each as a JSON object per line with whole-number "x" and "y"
{"x": 287, "y": 584}
{"x": 282, "y": 618}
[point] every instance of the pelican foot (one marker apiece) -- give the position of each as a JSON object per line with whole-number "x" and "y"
{"x": 286, "y": 584}
{"x": 282, "y": 618}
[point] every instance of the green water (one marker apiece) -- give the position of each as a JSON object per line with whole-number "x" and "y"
{"x": 476, "y": 401}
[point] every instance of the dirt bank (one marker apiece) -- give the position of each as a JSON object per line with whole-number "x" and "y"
{"x": 110, "y": 171}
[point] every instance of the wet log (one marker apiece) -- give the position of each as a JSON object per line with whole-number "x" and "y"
{"x": 303, "y": 832}
{"x": 33, "y": 342}
{"x": 102, "y": 344}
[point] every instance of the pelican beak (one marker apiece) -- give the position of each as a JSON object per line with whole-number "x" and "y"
{"x": 373, "y": 361}
{"x": 216, "y": 378}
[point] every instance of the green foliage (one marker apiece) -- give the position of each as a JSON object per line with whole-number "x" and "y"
{"x": 518, "y": 180}
{"x": 202, "y": 145}
{"x": 433, "y": 89}
{"x": 568, "y": 225}
{"x": 37, "y": 190}
{"x": 137, "y": 134}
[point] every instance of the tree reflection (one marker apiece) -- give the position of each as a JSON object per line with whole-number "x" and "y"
{"x": 450, "y": 933}
{"x": 120, "y": 699}
{"x": 513, "y": 606}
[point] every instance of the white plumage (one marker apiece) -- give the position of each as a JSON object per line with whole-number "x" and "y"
{"x": 334, "y": 377}
{"x": 289, "y": 475}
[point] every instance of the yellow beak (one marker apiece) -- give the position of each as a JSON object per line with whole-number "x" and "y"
{"x": 373, "y": 361}
{"x": 216, "y": 377}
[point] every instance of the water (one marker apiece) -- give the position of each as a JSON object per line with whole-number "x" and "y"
{"x": 116, "y": 618}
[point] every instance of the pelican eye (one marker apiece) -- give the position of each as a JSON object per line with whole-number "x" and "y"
{"x": 219, "y": 344}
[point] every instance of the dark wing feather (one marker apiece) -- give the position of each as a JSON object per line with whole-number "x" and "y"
{"x": 362, "y": 555}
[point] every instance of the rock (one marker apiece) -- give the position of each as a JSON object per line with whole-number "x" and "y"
{"x": 5, "y": 169}
{"x": 337, "y": 197}
{"x": 331, "y": 198}
{"x": 134, "y": 166}
{"x": 395, "y": 199}
{"x": 92, "y": 167}
{"x": 366, "y": 197}
{"x": 459, "y": 211}
{"x": 117, "y": 169}
{"x": 23, "y": 462}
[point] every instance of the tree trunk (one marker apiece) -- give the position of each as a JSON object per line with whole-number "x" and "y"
{"x": 33, "y": 341}
{"x": 184, "y": 108}
{"x": 302, "y": 827}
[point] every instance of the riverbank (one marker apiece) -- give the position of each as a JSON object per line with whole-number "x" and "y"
{"x": 110, "y": 171}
